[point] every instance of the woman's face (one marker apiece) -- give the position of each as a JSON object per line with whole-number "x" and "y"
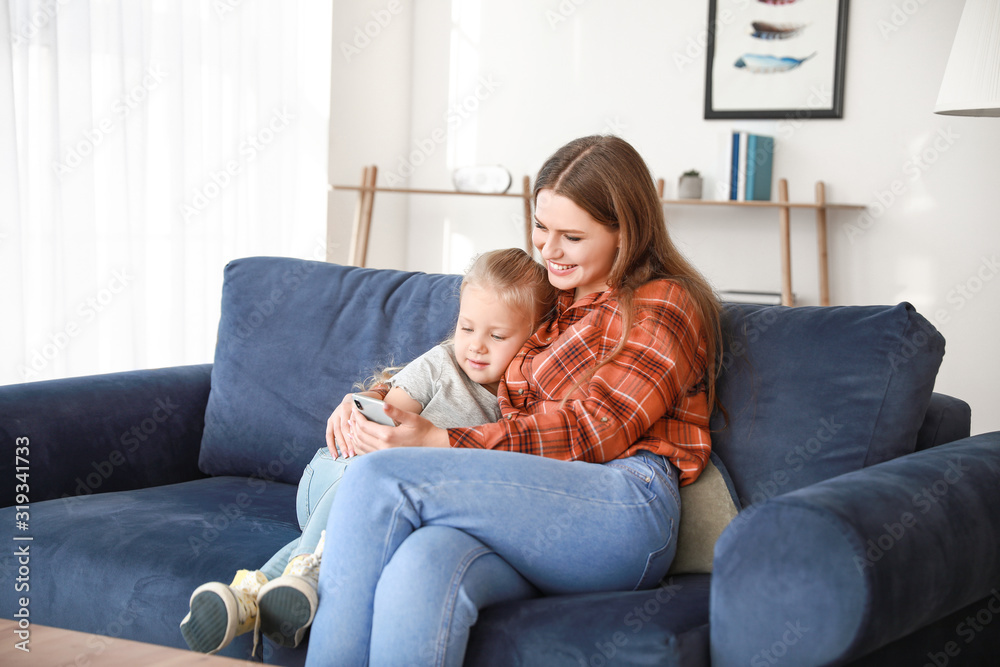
{"x": 578, "y": 251}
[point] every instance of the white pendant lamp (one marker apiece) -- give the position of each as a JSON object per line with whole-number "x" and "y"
{"x": 971, "y": 84}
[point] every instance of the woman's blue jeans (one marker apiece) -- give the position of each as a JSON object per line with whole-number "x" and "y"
{"x": 421, "y": 539}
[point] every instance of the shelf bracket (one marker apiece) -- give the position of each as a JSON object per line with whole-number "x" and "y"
{"x": 784, "y": 220}
{"x": 821, "y": 250}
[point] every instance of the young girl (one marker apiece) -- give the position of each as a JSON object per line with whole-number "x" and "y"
{"x": 505, "y": 295}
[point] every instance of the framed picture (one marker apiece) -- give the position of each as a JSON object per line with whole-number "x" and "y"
{"x": 776, "y": 58}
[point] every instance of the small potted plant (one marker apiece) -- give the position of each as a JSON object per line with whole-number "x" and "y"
{"x": 689, "y": 185}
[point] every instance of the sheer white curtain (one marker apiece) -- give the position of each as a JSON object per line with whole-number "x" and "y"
{"x": 145, "y": 143}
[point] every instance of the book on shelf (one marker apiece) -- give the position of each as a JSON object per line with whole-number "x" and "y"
{"x": 741, "y": 173}
{"x": 760, "y": 157}
{"x": 734, "y": 165}
{"x": 749, "y": 296}
{"x": 750, "y": 165}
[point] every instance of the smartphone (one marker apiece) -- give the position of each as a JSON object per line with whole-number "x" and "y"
{"x": 372, "y": 408}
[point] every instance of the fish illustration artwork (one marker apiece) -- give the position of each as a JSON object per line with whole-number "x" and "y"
{"x": 764, "y": 30}
{"x": 758, "y": 64}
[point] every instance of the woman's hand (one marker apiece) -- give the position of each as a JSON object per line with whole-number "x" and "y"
{"x": 411, "y": 430}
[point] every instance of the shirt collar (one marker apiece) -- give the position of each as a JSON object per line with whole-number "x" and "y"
{"x": 566, "y": 302}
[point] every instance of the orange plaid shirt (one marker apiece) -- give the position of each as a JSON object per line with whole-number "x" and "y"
{"x": 651, "y": 396}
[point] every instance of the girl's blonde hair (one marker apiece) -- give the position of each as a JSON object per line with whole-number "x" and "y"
{"x": 607, "y": 178}
{"x": 517, "y": 279}
{"x": 519, "y": 282}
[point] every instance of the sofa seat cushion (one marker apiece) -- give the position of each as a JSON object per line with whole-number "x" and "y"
{"x": 124, "y": 564}
{"x": 813, "y": 393}
{"x": 666, "y": 626}
{"x": 294, "y": 338}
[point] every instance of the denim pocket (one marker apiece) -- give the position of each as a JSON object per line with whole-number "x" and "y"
{"x": 302, "y": 493}
{"x": 637, "y": 466}
{"x": 661, "y": 480}
{"x": 659, "y": 561}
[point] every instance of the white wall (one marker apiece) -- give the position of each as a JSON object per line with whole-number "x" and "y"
{"x": 370, "y": 100}
{"x": 508, "y": 83}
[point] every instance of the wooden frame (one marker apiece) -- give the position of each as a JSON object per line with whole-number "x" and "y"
{"x": 773, "y": 59}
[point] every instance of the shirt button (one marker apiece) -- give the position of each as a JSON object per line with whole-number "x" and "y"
{"x": 549, "y": 339}
{"x": 520, "y": 391}
{"x": 510, "y": 416}
{"x": 604, "y": 419}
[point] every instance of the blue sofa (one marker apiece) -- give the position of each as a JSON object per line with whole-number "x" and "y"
{"x": 868, "y": 532}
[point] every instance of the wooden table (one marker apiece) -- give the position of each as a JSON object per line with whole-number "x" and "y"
{"x": 55, "y": 646}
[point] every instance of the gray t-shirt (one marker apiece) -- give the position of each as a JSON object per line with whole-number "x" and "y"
{"x": 450, "y": 398}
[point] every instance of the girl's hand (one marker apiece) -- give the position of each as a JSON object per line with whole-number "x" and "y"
{"x": 337, "y": 429}
{"x": 411, "y": 430}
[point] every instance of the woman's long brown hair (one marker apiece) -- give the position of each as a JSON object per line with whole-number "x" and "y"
{"x": 607, "y": 178}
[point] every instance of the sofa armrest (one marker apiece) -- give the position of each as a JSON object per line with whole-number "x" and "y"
{"x": 947, "y": 419}
{"x": 830, "y": 572}
{"x": 104, "y": 433}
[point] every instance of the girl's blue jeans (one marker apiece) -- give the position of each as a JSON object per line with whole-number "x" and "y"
{"x": 424, "y": 538}
{"x": 313, "y": 499}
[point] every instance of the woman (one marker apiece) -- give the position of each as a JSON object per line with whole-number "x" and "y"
{"x": 624, "y": 377}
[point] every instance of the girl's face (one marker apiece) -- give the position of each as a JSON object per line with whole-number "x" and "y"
{"x": 578, "y": 250}
{"x": 488, "y": 335}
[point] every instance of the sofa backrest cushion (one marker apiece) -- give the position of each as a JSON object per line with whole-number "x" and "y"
{"x": 815, "y": 392}
{"x": 294, "y": 337}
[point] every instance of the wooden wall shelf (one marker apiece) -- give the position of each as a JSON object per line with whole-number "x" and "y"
{"x": 784, "y": 231}
{"x": 358, "y": 253}
{"x": 366, "y": 199}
